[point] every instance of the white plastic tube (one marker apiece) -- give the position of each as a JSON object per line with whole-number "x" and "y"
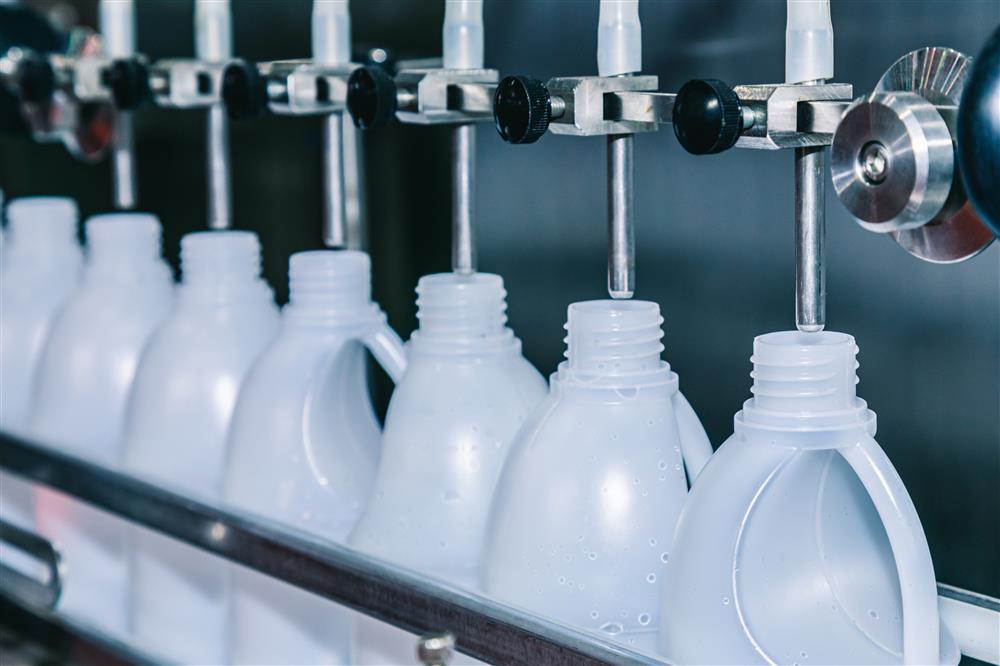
{"x": 619, "y": 38}
{"x": 116, "y": 19}
{"x": 463, "y": 34}
{"x": 213, "y": 33}
{"x": 331, "y": 32}
{"x": 808, "y": 41}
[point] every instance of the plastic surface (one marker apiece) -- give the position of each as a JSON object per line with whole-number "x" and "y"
{"x": 182, "y": 403}
{"x": 243, "y": 89}
{"x": 798, "y": 543}
{"x": 39, "y": 269}
{"x": 619, "y": 38}
{"x": 522, "y": 109}
{"x": 116, "y": 20}
{"x": 83, "y": 385}
{"x": 303, "y": 450}
{"x": 707, "y": 117}
{"x": 979, "y": 133}
{"x": 331, "y": 32}
{"x": 213, "y": 30}
{"x": 466, "y": 391}
{"x": 808, "y": 41}
{"x": 584, "y": 514}
{"x": 371, "y": 97}
{"x": 462, "y": 35}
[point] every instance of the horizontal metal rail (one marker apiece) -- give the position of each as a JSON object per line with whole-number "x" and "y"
{"x": 482, "y": 628}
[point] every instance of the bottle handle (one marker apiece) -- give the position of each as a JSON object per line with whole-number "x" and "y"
{"x": 387, "y": 348}
{"x": 921, "y": 623}
{"x": 696, "y": 449}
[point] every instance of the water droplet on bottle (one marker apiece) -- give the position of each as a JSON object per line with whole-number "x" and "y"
{"x": 612, "y": 628}
{"x": 664, "y": 557}
{"x": 652, "y": 542}
{"x": 562, "y": 580}
{"x": 594, "y": 615}
{"x": 635, "y": 481}
{"x": 725, "y": 601}
{"x": 592, "y": 555}
{"x": 662, "y": 464}
{"x": 644, "y": 619}
{"x": 677, "y": 467}
{"x": 804, "y": 654}
{"x": 677, "y": 449}
{"x": 651, "y": 578}
{"x": 873, "y": 614}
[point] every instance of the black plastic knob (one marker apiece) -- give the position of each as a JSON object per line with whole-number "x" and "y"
{"x": 371, "y": 97}
{"x": 522, "y": 109}
{"x": 243, "y": 90}
{"x": 36, "y": 80}
{"x": 129, "y": 83}
{"x": 978, "y": 135}
{"x": 707, "y": 116}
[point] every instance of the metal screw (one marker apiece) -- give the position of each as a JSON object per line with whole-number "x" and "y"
{"x": 436, "y": 649}
{"x": 874, "y": 162}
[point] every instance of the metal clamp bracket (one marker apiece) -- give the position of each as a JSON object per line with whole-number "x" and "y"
{"x": 602, "y": 105}
{"x": 186, "y": 83}
{"x": 445, "y": 96}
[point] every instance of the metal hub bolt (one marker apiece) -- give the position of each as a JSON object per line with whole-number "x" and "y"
{"x": 874, "y": 162}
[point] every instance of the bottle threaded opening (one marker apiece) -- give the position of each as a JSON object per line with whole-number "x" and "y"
{"x": 803, "y": 373}
{"x": 612, "y": 338}
{"x": 460, "y": 308}
{"x": 42, "y": 220}
{"x": 215, "y": 257}
{"x": 123, "y": 238}
{"x": 329, "y": 284}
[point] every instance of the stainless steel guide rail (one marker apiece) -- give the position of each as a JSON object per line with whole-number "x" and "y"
{"x": 483, "y": 628}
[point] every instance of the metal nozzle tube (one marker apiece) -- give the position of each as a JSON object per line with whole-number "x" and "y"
{"x": 463, "y": 200}
{"x": 810, "y": 232}
{"x": 219, "y": 189}
{"x": 334, "y": 206}
{"x": 621, "y": 216}
{"x": 123, "y": 161}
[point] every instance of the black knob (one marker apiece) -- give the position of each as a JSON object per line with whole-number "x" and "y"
{"x": 371, "y": 97}
{"x": 707, "y": 116}
{"x": 36, "y": 80}
{"x": 979, "y": 134}
{"x": 243, "y": 90}
{"x": 522, "y": 109}
{"x": 129, "y": 83}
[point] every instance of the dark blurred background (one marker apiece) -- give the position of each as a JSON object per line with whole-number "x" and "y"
{"x": 714, "y": 236}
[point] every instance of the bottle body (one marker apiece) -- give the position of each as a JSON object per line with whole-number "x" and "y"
{"x": 450, "y": 422}
{"x": 785, "y": 550}
{"x": 183, "y": 398}
{"x": 83, "y": 386}
{"x": 583, "y": 518}
{"x": 39, "y": 268}
{"x": 303, "y": 451}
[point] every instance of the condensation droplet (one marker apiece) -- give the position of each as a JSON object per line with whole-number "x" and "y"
{"x": 562, "y": 580}
{"x": 677, "y": 467}
{"x": 873, "y": 614}
{"x": 664, "y": 557}
{"x": 644, "y": 619}
{"x": 612, "y": 628}
{"x": 804, "y": 654}
{"x": 662, "y": 464}
{"x": 651, "y": 578}
{"x": 652, "y": 542}
{"x": 725, "y": 601}
{"x": 594, "y": 615}
{"x": 592, "y": 555}
{"x": 635, "y": 481}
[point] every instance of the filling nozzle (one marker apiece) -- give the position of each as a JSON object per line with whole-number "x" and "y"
{"x": 809, "y": 59}
{"x": 214, "y": 43}
{"x": 117, "y": 24}
{"x": 331, "y": 41}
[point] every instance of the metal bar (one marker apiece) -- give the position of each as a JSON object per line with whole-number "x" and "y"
{"x": 643, "y": 107}
{"x": 810, "y": 232}
{"x": 334, "y": 203}
{"x": 123, "y": 161}
{"x": 472, "y": 98}
{"x": 463, "y": 198}
{"x": 219, "y": 188}
{"x": 621, "y": 216}
{"x": 483, "y": 628}
{"x": 354, "y": 188}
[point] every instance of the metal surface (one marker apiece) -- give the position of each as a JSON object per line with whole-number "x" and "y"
{"x": 939, "y": 76}
{"x": 436, "y": 649}
{"x": 819, "y": 117}
{"x": 303, "y": 87}
{"x": 483, "y": 628}
{"x": 354, "y": 189}
{"x": 621, "y": 216}
{"x": 334, "y": 204}
{"x": 585, "y": 98}
{"x": 463, "y": 198}
{"x": 217, "y": 156}
{"x": 810, "y": 235}
{"x": 445, "y": 96}
{"x": 640, "y": 107}
{"x": 892, "y": 162}
{"x": 29, "y": 554}
{"x": 124, "y": 179}
{"x": 777, "y": 111}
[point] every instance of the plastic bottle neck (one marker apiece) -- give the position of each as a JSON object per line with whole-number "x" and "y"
{"x": 330, "y": 288}
{"x": 42, "y": 226}
{"x": 462, "y": 314}
{"x": 221, "y": 267}
{"x": 614, "y": 344}
{"x": 124, "y": 245}
{"x": 804, "y": 381}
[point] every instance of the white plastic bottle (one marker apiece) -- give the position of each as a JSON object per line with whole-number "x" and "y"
{"x": 303, "y": 450}
{"x": 178, "y": 420}
{"x": 81, "y": 392}
{"x": 39, "y": 268}
{"x": 799, "y": 543}
{"x": 466, "y": 391}
{"x": 584, "y": 514}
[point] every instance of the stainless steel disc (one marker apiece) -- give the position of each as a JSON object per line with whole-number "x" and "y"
{"x": 956, "y": 233}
